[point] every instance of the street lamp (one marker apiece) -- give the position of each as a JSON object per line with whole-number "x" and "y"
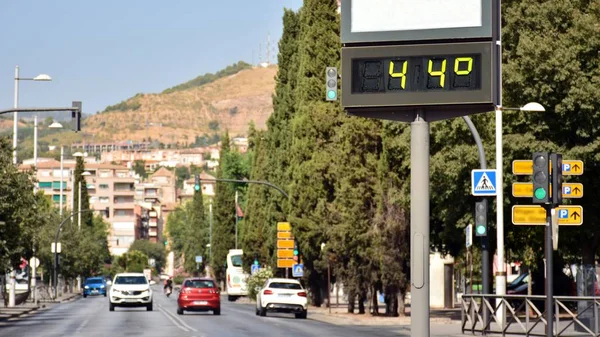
{"x": 40, "y": 77}
{"x": 501, "y": 272}
{"x": 54, "y": 125}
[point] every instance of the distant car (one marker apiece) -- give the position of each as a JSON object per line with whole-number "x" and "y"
{"x": 130, "y": 290}
{"x": 199, "y": 294}
{"x": 94, "y": 286}
{"x": 282, "y": 295}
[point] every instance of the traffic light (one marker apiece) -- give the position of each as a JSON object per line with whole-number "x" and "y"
{"x": 541, "y": 178}
{"x": 557, "y": 181}
{"x": 166, "y": 242}
{"x": 296, "y": 250}
{"x": 76, "y": 115}
{"x": 197, "y": 183}
{"x": 331, "y": 84}
{"x": 481, "y": 218}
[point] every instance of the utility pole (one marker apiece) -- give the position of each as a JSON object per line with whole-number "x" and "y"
{"x": 236, "y": 219}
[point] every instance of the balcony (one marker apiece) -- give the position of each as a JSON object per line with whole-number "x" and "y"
{"x": 153, "y": 223}
{"x": 152, "y": 232}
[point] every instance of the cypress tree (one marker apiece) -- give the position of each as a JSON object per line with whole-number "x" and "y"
{"x": 313, "y": 127}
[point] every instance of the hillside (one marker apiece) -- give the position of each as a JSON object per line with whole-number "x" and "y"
{"x": 182, "y": 114}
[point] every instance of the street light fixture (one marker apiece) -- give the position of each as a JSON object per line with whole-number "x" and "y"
{"x": 40, "y": 77}
{"x": 501, "y": 273}
{"x": 55, "y": 125}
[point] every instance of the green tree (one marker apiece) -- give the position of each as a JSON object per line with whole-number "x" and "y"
{"x": 80, "y": 187}
{"x": 16, "y": 206}
{"x": 133, "y": 261}
{"x": 139, "y": 167}
{"x": 224, "y": 225}
{"x": 196, "y": 231}
{"x": 312, "y": 187}
{"x": 153, "y": 250}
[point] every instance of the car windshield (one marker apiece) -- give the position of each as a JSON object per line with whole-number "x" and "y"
{"x": 284, "y": 285}
{"x": 236, "y": 260}
{"x": 199, "y": 284}
{"x": 131, "y": 280}
{"x": 94, "y": 280}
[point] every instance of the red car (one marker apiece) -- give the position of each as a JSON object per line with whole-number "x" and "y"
{"x": 199, "y": 294}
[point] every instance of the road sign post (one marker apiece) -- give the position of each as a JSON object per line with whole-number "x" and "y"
{"x": 483, "y": 182}
{"x": 548, "y": 190}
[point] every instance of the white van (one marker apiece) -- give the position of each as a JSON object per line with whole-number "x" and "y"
{"x": 236, "y": 278}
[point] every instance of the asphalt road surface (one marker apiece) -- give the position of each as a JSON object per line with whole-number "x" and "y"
{"x": 90, "y": 317}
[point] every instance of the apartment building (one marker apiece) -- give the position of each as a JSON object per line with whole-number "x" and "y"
{"x": 108, "y": 185}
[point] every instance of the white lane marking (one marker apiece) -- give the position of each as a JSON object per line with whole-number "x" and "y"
{"x": 177, "y": 318}
{"x": 82, "y": 326}
{"x": 172, "y": 320}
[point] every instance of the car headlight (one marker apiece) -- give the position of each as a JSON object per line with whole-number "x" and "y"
{"x": 115, "y": 290}
{"x": 102, "y": 287}
{"x": 86, "y": 287}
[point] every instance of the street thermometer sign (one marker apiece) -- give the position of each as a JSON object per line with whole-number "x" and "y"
{"x": 402, "y": 55}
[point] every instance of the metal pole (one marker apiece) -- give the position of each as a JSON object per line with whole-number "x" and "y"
{"x": 35, "y": 140}
{"x": 79, "y": 207}
{"x": 210, "y": 230}
{"x": 34, "y": 272}
{"x": 236, "y": 220}
{"x": 549, "y": 274}
{"x": 62, "y": 156}
{"x": 329, "y": 284}
{"x": 15, "y": 116}
{"x": 13, "y": 275}
{"x": 419, "y": 227}
{"x": 501, "y": 271}
{"x": 485, "y": 241}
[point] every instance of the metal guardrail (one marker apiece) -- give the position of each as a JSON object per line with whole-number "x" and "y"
{"x": 520, "y": 315}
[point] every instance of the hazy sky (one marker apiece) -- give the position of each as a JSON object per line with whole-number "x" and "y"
{"x": 102, "y": 52}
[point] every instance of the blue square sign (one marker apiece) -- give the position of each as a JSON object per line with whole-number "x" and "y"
{"x": 483, "y": 182}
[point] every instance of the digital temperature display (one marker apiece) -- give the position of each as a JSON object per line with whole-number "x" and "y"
{"x": 444, "y": 79}
{"x": 398, "y": 75}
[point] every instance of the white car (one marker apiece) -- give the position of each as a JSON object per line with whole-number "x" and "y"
{"x": 282, "y": 295}
{"x": 130, "y": 290}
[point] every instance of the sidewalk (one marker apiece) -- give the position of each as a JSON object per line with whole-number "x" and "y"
{"x": 26, "y": 308}
{"x": 340, "y": 316}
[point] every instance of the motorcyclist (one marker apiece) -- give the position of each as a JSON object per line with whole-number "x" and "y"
{"x": 169, "y": 284}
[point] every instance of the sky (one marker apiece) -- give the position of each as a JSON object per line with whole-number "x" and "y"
{"x": 103, "y": 52}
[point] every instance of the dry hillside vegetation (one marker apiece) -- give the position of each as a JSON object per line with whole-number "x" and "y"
{"x": 179, "y": 116}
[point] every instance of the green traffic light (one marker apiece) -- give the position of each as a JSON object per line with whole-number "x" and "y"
{"x": 295, "y": 252}
{"x": 331, "y": 94}
{"x": 540, "y": 193}
{"x": 480, "y": 229}
{"x": 197, "y": 187}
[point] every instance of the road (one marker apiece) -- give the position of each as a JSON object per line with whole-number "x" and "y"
{"x": 90, "y": 317}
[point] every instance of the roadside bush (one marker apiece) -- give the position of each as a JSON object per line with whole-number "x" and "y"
{"x": 256, "y": 281}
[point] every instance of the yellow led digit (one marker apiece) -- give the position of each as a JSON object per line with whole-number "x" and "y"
{"x": 401, "y": 74}
{"x": 457, "y": 62}
{"x": 441, "y": 73}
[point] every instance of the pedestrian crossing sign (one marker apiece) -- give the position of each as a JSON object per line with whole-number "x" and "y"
{"x": 483, "y": 182}
{"x": 298, "y": 270}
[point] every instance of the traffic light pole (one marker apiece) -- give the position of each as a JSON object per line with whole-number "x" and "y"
{"x": 549, "y": 274}
{"x": 485, "y": 241}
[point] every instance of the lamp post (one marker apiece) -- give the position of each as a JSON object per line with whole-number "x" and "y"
{"x": 40, "y": 77}
{"x": 501, "y": 272}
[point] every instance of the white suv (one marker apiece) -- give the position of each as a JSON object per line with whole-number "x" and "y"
{"x": 130, "y": 290}
{"x": 282, "y": 295}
